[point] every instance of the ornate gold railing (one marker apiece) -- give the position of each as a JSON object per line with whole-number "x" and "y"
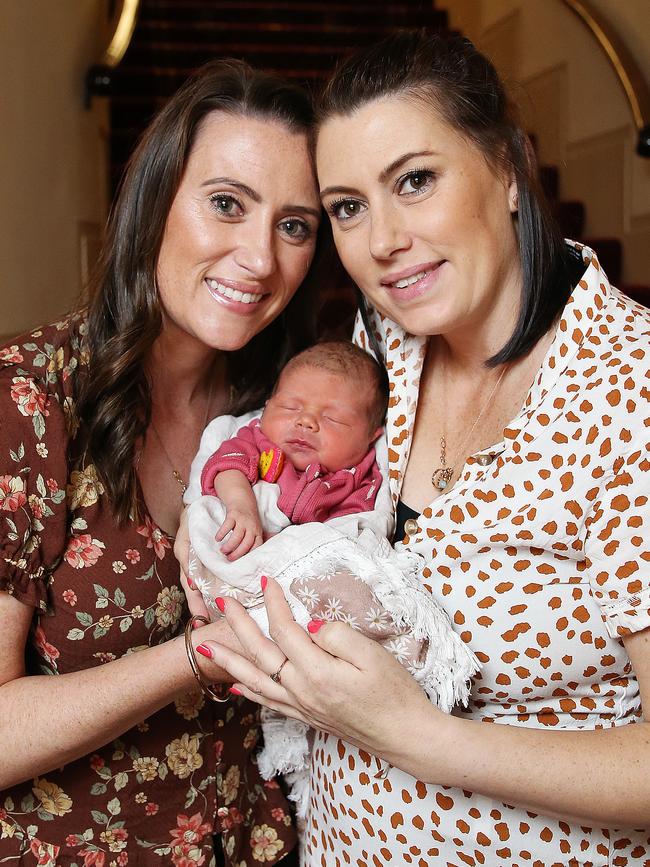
{"x": 99, "y": 77}
{"x": 625, "y": 66}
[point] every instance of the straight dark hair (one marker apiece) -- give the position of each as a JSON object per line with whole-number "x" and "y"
{"x": 125, "y": 316}
{"x": 448, "y": 74}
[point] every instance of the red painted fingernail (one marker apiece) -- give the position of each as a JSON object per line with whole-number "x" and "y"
{"x": 204, "y": 650}
{"x": 220, "y": 603}
{"x": 264, "y": 581}
{"x": 235, "y": 691}
{"x": 314, "y": 625}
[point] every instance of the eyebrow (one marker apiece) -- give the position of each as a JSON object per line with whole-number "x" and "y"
{"x": 248, "y": 191}
{"x": 399, "y": 162}
{"x": 383, "y": 175}
{"x": 255, "y": 196}
{"x": 303, "y": 209}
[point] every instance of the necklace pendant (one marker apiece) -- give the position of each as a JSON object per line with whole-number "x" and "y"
{"x": 441, "y": 477}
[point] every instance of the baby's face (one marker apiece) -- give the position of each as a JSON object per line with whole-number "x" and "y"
{"x": 316, "y": 416}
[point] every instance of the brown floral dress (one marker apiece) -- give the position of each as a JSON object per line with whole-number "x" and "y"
{"x": 159, "y": 793}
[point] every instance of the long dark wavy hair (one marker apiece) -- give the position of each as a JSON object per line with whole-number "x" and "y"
{"x": 447, "y": 73}
{"x": 125, "y": 316}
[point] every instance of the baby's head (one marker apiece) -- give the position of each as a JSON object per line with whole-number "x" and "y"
{"x": 328, "y": 406}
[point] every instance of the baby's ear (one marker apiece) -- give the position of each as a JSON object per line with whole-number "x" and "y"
{"x": 378, "y": 432}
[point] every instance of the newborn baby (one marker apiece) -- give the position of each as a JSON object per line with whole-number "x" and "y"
{"x": 297, "y": 493}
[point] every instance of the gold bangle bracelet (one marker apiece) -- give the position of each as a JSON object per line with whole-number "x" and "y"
{"x": 206, "y": 689}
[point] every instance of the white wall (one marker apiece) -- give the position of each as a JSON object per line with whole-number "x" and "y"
{"x": 53, "y": 169}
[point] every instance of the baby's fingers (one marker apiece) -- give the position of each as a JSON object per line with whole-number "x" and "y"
{"x": 247, "y": 544}
{"x": 224, "y": 529}
{"x": 234, "y": 540}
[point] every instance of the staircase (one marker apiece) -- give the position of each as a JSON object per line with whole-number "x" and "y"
{"x": 571, "y": 216}
{"x": 302, "y": 40}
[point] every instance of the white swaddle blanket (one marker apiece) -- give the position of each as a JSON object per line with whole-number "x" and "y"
{"x": 343, "y": 569}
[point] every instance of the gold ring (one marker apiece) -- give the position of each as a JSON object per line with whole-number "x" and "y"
{"x": 206, "y": 689}
{"x": 275, "y": 677}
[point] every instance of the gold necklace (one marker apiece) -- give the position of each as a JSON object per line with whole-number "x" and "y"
{"x": 175, "y": 473}
{"x": 441, "y": 476}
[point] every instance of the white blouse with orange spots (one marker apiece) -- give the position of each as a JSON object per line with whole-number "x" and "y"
{"x": 541, "y": 560}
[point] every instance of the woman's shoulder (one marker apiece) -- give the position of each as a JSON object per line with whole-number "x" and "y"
{"x": 50, "y": 354}
{"x": 38, "y": 371}
{"x": 634, "y": 318}
{"x": 610, "y": 371}
{"x": 37, "y": 412}
{"x": 621, "y": 338}
{"x": 612, "y": 323}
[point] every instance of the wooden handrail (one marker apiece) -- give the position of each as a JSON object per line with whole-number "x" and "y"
{"x": 625, "y": 66}
{"x": 99, "y": 78}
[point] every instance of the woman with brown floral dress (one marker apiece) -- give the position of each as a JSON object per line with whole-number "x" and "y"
{"x": 112, "y": 755}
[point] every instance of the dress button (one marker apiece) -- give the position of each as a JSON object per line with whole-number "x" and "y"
{"x": 222, "y": 811}
{"x": 411, "y": 526}
{"x": 484, "y": 460}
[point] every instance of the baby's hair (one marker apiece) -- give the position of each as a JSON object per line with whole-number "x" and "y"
{"x": 345, "y": 359}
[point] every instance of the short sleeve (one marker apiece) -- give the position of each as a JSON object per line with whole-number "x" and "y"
{"x": 33, "y": 478}
{"x": 618, "y": 545}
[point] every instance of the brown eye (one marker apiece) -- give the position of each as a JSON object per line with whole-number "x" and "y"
{"x": 415, "y": 182}
{"x": 345, "y": 209}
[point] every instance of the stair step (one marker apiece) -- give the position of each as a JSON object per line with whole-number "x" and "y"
{"x": 186, "y": 54}
{"x": 394, "y": 14}
{"x": 270, "y": 41}
{"x": 171, "y": 9}
{"x": 197, "y": 31}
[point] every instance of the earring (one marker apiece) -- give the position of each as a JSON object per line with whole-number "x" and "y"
{"x": 514, "y": 202}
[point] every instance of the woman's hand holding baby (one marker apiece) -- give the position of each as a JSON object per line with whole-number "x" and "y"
{"x": 195, "y": 601}
{"x": 335, "y": 679}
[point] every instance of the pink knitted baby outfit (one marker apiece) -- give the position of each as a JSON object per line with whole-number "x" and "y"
{"x": 312, "y": 494}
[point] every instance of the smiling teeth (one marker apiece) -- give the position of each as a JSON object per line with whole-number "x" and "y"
{"x": 408, "y": 281}
{"x": 234, "y": 294}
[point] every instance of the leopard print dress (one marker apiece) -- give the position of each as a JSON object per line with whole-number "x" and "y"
{"x": 539, "y": 554}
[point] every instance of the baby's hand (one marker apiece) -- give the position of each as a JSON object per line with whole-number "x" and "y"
{"x": 245, "y": 529}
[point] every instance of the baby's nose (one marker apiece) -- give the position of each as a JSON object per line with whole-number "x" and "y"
{"x": 307, "y": 420}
